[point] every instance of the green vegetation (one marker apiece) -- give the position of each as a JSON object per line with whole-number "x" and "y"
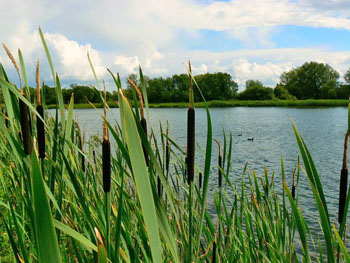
{"x": 140, "y": 200}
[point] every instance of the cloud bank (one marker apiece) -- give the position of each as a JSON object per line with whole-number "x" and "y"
{"x": 120, "y": 35}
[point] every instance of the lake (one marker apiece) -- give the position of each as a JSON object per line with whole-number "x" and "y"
{"x": 323, "y": 130}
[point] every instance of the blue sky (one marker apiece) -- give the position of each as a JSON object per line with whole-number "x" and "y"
{"x": 250, "y": 39}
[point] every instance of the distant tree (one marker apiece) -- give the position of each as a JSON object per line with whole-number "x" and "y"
{"x": 81, "y": 93}
{"x": 253, "y": 83}
{"x": 347, "y": 76}
{"x": 311, "y": 81}
{"x": 343, "y": 92}
{"x": 216, "y": 86}
{"x": 282, "y": 93}
{"x": 50, "y": 94}
{"x": 134, "y": 79}
{"x": 255, "y": 90}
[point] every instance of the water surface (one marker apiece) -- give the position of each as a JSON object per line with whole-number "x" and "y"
{"x": 323, "y": 131}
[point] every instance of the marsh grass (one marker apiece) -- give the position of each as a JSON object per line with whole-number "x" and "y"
{"x": 56, "y": 209}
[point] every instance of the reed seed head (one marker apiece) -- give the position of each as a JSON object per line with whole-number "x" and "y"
{"x": 139, "y": 95}
{"x": 38, "y": 97}
{"x": 14, "y": 62}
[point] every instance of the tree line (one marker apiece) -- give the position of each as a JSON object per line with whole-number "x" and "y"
{"x": 311, "y": 80}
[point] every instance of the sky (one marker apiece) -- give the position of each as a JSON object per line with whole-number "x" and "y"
{"x": 249, "y": 39}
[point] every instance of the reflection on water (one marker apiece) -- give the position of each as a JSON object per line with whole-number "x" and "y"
{"x": 322, "y": 129}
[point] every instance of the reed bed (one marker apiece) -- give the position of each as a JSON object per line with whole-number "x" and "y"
{"x": 132, "y": 197}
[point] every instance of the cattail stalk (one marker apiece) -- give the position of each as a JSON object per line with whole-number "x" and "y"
{"x": 343, "y": 181}
{"x": 219, "y": 163}
{"x": 293, "y": 186}
{"x": 40, "y": 128}
{"x": 190, "y": 134}
{"x": 190, "y": 158}
{"x": 106, "y": 162}
{"x": 220, "y": 186}
{"x": 106, "y": 154}
{"x": 143, "y": 121}
{"x": 167, "y": 150}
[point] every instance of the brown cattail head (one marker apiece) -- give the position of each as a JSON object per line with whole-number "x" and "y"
{"x": 219, "y": 162}
{"x": 190, "y": 144}
{"x": 14, "y": 62}
{"x": 293, "y": 186}
{"x": 40, "y": 128}
{"x": 94, "y": 156}
{"x": 106, "y": 163}
{"x": 81, "y": 146}
{"x": 200, "y": 180}
{"x": 25, "y": 127}
{"x": 159, "y": 187}
{"x": 144, "y": 128}
{"x": 213, "y": 255}
{"x": 343, "y": 181}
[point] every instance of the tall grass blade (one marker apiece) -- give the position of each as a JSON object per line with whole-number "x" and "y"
{"x": 48, "y": 250}
{"x": 143, "y": 185}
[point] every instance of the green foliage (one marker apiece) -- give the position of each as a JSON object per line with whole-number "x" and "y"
{"x": 347, "y": 76}
{"x": 312, "y": 80}
{"x": 214, "y": 86}
{"x": 282, "y": 93}
{"x": 256, "y": 91}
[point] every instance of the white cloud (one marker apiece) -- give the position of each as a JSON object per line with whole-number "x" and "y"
{"x": 121, "y": 35}
{"x": 127, "y": 65}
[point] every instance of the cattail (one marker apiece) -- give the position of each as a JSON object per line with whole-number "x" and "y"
{"x": 293, "y": 186}
{"x": 219, "y": 163}
{"x": 24, "y": 119}
{"x": 190, "y": 134}
{"x": 167, "y": 150}
{"x": 23, "y": 108}
{"x": 213, "y": 256}
{"x": 343, "y": 181}
{"x": 106, "y": 153}
{"x": 39, "y": 123}
{"x": 200, "y": 180}
{"x": 143, "y": 121}
{"x": 159, "y": 187}
{"x": 81, "y": 145}
{"x": 94, "y": 156}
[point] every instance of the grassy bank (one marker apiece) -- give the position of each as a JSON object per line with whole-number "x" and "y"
{"x": 233, "y": 103}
